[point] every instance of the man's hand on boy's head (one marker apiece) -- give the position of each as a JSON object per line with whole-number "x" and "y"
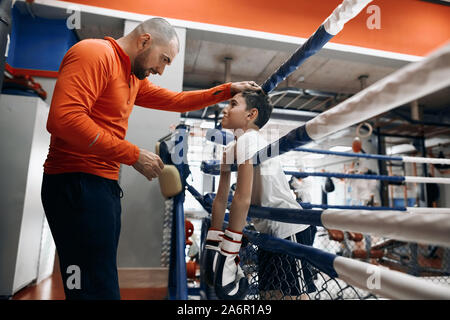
{"x": 237, "y": 87}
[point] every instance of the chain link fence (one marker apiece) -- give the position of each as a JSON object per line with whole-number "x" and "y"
{"x": 282, "y": 277}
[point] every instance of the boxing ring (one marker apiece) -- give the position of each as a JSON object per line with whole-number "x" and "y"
{"x": 414, "y": 225}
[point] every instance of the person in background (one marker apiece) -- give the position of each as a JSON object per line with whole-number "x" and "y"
{"x": 302, "y": 188}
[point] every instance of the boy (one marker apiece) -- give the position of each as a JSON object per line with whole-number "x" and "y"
{"x": 263, "y": 185}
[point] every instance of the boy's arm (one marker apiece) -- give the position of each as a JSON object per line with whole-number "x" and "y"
{"x": 242, "y": 197}
{"x": 221, "y": 200}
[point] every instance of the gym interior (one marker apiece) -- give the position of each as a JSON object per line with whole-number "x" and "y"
{"x": 376, "y": 91}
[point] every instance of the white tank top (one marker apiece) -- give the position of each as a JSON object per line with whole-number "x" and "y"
{"x": 270, "y": 185}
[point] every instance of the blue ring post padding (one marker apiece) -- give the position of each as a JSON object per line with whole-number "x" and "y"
{"x": 180, "y": 265}
{"x": 298, "y": 216}
{"x": 309, "y": 48}
{"x": 320, "y": 259}
{"x": 351, "y": 154}
{"x": 346, "y": 176}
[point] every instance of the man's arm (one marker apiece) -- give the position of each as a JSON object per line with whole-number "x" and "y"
{"x": 242, "y": 197}
{"x": 155, "y": 97}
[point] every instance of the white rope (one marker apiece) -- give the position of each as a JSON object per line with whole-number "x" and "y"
{"x": 387, "y": 283}
{"x": 413, "y": 227}
{"x": 405, "y": 85}
{"x": 426, "y": 160}
{"x": 346, "y": 11}
{"x": 427, "y": 210}
{"x": 427, "y": 180}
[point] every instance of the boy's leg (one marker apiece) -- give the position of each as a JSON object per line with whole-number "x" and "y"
{"x": 268, "y": 279}
{"x": 279, "y": 276}
{"x": 306, "y": 237}
{"x": 83, "y": 212}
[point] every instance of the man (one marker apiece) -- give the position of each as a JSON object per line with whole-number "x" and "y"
{"x": 99, "y": 82}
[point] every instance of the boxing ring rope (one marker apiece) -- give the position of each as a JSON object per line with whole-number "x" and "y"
{"x": 213, "y": 135}
{"x": 406, "y": 179}
{"x": 377, "y": 156}
{"x": 307, "y": 205}
{"x": 429, "y": 228}
{"x": 393, "y": 284}
{"x": 407, "y": 84}
{"x": 213, "y": 167}
{"x": 331, "y": 27}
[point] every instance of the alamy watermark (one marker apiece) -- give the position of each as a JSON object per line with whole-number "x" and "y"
{"x": 373, "y": 282}
{"x": 73, "y": 21}
{"x": 74, "y": 279}
{"x": 374, "y": 20}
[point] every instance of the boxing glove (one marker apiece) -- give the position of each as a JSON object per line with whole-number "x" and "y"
{"x": 229, "y": 280}
{"x": 213, "y": 239}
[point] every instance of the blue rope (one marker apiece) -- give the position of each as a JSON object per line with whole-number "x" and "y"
{"x": 345, "y": 176}
{"x": 320, "y": 259}
{"x": 309, "y": 48}
{"x": 287, "y": 215}
{"x": 306, "y": 215}
{"x": 292, "y": 142}
{"x": 293, "y": 139}
{"x": 350, "y": 154}
{"x": 206, "y": 202}
{"x": 213, "y": 167}
{"x": 298, "y": 216}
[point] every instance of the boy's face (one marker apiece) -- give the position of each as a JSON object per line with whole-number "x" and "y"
{"x": 235, "y": 115}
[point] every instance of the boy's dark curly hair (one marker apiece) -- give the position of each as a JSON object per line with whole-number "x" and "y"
{"x": 260, "y": 101}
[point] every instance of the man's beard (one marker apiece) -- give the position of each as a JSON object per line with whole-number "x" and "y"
{"x": 138, "y": 67}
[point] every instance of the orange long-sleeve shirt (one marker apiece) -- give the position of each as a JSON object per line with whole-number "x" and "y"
{"x": 92, "y": 101}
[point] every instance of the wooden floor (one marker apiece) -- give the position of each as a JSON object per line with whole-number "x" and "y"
{"x": 52, "y": 289}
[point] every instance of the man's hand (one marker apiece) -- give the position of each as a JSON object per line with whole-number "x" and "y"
{"x": 148, "y": 164}
{"x": 237, "y": 87}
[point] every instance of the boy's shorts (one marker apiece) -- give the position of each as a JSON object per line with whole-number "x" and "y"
{"x": 281, "y": 272}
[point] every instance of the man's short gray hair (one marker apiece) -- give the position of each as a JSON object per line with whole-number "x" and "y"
{"x": 160, "y": 29}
